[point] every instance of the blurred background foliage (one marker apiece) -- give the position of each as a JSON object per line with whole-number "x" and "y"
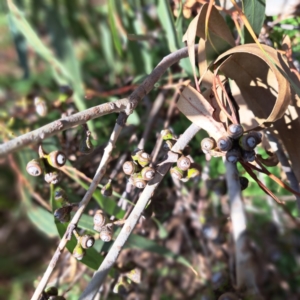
{"x": 102, "y": 50}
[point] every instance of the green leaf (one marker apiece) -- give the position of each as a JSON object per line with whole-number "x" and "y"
{"x": 254, "y": 11}
{"x": 113, "y": 28}
{"x": 65, "y": 72}
{"x": 166, "y": 19}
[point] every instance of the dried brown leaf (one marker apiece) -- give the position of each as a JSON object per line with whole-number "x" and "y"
{"x": 217, "y": 40}
{"x": 197, "y": 109}
{"x": 266, "y": 91}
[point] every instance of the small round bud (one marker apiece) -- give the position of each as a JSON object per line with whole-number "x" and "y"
{"x": 62, "y": 214}
{"x": 144, "y": 159}
{"x": 51, "y": 291}
{"x": 106, "y": 233}
{"x": 208, "y": 144}
{"x": 78, "y": 252}
{"x": 167, "y": 134}
{"x": 40, "y": 106}
{"x": 224, "y": 143}
{"x": 183, "y": 163}
{"x": 249, "y": 155}
{"x": 233, "y": 155}
{"x": 244, "y": 182}
{"x": 148, "y": 173}
{"x": 87, "y": 241}
{"x": 53, "y": 177}
{"x": 35, "y": 167}
{"x": 56, "y": 159}
{"x": 99, "y": 219}
{"x": 60, "y": 195}
{"x": 235, "y": 131}
{"x": 138, "y": 180}
{"x": 130, "y": 167}
{"x": 177, "y": 173}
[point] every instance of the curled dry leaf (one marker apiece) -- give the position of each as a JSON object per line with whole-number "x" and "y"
{"x": 198, "y": 110}
{"x": 265, "y": 90}
{"x": 217, "y": 40}
{"x": 270, "y": 161}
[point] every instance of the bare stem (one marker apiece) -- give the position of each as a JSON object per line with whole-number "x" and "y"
{"x": 135, "y": 97}
{"x": 245, "y": 274}
{"x": 125, "y": 104}
{"x": 82, "y": 205}
{"x": 136, "y": 213}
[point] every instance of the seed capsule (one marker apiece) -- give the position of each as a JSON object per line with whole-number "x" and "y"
{"x": 167, "y": 134}
{"x": 99, "y": 220}
{"x": 51, "y": 291}
{"x": 144, "y": 159}
{"x": 87, "y": 241}
{"x": 244, "y": 182}
{"x": 40, "y": 106}
{"x": 62, "y": 214}
{"x": 208, "y": 144}
{"x": 60, "y": 196}
{"x": 235, "y": 131}
{"x": 224, "y": 143}
{"x": 106, "y": 233}
{"x": 53, "y": 177}
{"x": 148, "y": 173}
{"x": 233, "y": 155}
{"x": 35, "y": 167}
{"x": 183, "y": 163}
{"x": 138, "y": 180}
{"x": 249, "y": 155}
{"x": 130, "y": 167}
{"x": 56, "y": 159}
{"x": 177, "y": 173}
{"x": 65, "y": 93}
{"x": 107, "y": 189}
{"x": 78, "y": 252}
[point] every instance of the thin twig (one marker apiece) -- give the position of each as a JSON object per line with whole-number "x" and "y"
{"x": 126, "y": 104}
{"x": 133, "y": 218}
{"x": 245, "y": 274}
{"x": 135, "y": 97}
{"x": 82, "y": 205}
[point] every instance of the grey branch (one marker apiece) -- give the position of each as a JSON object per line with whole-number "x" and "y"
{"x": 127, "y": 105}
{"x": 244, "y": 260}
{"x": 136, "y": 96}
{"x": 136, "y": 213}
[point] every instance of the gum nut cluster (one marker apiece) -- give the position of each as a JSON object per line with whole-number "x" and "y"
{"x": 236, "y": 144}
{"x": 138, "y": 169}
{"x": 47, "y": 164}
{"x": 100, "y": 224}
{"x": 184, "y": 169}
{"x": 83, "y": 242}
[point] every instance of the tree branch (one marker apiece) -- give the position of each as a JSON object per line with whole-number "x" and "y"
{"x": 136, "y": 213}
{"x": 125, "y": 104}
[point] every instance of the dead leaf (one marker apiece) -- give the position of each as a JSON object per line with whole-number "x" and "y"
{"x": 197, "y": 109}
{"x": 217, "y": 40}
{"x": 265, "y": 90}
{"x": 270, "y": 161}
